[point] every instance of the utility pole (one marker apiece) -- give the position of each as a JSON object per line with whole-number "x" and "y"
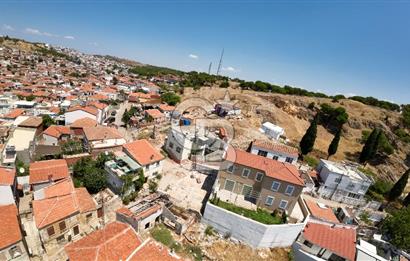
{"x": 220, "y": 62}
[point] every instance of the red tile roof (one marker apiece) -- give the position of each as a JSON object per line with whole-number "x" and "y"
{"x": 32, "y": 122}
{"x": 98, "y": 105}
{"x": 274, "y": 146}
{"x": 84, "y": 122}
{"x": 60, "y": 201}
{"x": 101, "y": 133}
{"x": 324, "y": 213}
{"x": 56, "y": 131}
{"x": 166, "y": 107}
{"x": 9, "y": 226}
{"x": 339, "y": 240}
{"x": 143, "y": 152}
{"x": 153, "y": 251}
{"x": 154, "y": 113}
{"x": 116, "y": 241}
{"x": 7, "y": 176}
{"x": 43, "y": 171}
{"x": 14, "y": 114}
{"x": 272, "y": 168}
{"x": 89, "y": 109}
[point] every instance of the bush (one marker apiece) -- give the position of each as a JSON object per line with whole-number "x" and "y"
{"x": 170, "y": 98}
{"x": 209, "y": 231}
{"x": 161, "y": 234}
{"x": 403, "y": 135}
{"x": 311, "y": 161}
{"x": 153, "y": 186}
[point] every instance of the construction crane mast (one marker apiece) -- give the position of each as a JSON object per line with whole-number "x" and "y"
{"x": 220, "y": 62}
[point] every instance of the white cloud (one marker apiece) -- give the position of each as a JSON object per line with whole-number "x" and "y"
{"x": 8, "y": 27}
{"x": 38, "y": 32}
{"x": 229, "y": 69}
{"x": 193, "y": 56}
{"x": 33, "y": 31}
{"x": 69, "y": 37}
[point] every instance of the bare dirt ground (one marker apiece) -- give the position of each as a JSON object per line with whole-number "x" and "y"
{"x": 292, "y": 113}
{"x": 185, "y": 187}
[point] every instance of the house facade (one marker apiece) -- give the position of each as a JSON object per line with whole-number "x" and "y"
{"x": 267, "y": 183}
{"x": 342, "y": 182}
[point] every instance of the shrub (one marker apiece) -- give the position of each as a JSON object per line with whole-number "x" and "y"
{"x": 209, "y": 231}
{"x": 311, "y": 161}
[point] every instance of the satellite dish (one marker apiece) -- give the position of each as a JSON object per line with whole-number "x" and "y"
{"x": 22, "y": 170}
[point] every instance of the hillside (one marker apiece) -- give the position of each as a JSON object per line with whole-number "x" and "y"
{"x": 292, "y": 113}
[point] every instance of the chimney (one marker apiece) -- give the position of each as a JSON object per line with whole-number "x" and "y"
{"x": 152, "y": 157}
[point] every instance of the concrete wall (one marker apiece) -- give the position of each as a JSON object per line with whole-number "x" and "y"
{"x": 248, "y": 231}
{"x": 72, "y": 116}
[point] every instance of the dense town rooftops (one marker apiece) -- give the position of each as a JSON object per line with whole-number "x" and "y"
{"x": 272, "y": 168}
{"x": 84, "y": 122}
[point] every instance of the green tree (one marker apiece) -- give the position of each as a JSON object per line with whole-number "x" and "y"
{"x": 397, "y": 228}
{"x": 47, "y": 121}
{"x": 406, "y": 115}
{"x": 95, "y": 180}
{"x": 170, "y": 98}
{"x": 383, "y": 144}
{"x": 406, "y": 201}
{"x": 308, "y": 140}
{"x": 370, "y": 147}
{"x": 399, "y": 186}
{"x": 126, "y": 118}
{"x": 334, "y": 144}
{"x": 224, "y": 84}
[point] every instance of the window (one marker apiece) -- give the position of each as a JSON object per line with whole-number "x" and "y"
{"x": 229, "y": 185}
{"x": 259, "y": 176}
{"x": 100, "y": 212}
{"x": 269, "y": 200}
{"x": 363, "y": 187}
{"x": 178, "y": 149}
{"x": 60, "y": 239}
{"x": 76, "y": 230}
{"x": 275, "y": 157}
{"x": 89, "y": 216}
{"x": 275, "y": 186}
{"x": 289, "y": 159}
{"x": 283, "y": 204}
{"x": 62, "y": 225}
{"x": 262, "y": 153}
{"x": 246, "y": 190}
{"x": 50, "y": 231}
{"x": 230, "y": 169}
{"x": 350, "y": 186}
{"x": 147, "y": 225}
{"x": 171, "y": 145}
{"x": 245, "y": 173}
{"x": 289, "y": 190}
{"x": 338, "y": 179}
{"x": 15, "y": 252}
{"x": 307, "y": 243}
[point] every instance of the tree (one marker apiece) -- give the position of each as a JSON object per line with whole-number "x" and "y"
{"x": 399, "y": 186}
{"x": 406, "y": 201}
{"x": 334, "y": 144}
{"x": 397, "y": 228}
{"x": 47, "y": 121}
{"x": 95, "y": 180}
{"x": 224, "y": 84}
{"x": 370, "y": 147}
{"x": 114, "y": 80}
{"x": 126, "y": 118}
{"x": 308, "y": 140}
{"x": 170, "y": 98}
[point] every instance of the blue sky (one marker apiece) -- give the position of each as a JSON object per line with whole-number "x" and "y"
{"x": 348, "y": 47}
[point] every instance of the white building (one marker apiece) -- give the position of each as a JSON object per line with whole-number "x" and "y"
{"x": 76, "y": 113}
{"x": 367, "y": 252}
{"x": 275, "y": 150}
{"x": 271, "y": 130}
{"x": 342, "y": 182}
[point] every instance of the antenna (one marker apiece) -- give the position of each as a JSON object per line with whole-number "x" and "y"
{"x": 209, "y": 68}
{"x": 220, "y": 62}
